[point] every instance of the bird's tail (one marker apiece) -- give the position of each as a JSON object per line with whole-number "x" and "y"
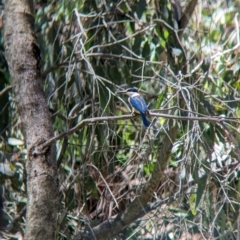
{"x": 145, "y": 121}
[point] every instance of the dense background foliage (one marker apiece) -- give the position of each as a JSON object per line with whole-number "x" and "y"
{"x": 90, "y": 50}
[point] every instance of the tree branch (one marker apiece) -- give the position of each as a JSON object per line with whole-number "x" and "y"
{"x": 186, "y": 16}
{"x": 112, "y": 227}
{"x": 83, "y": 123}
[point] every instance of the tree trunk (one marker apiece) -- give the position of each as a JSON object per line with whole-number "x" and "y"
{"x": 23, "y": 56}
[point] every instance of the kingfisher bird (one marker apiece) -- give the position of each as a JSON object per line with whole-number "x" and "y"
{"x": 138, "y": 104}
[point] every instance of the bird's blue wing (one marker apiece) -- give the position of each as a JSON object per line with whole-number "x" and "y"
{"x": 139, "y": 104}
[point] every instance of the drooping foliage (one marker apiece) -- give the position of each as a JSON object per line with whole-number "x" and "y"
{"x": 186, "y": 65}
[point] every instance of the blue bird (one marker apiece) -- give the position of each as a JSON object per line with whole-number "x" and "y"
{"x": 138, "y": 104}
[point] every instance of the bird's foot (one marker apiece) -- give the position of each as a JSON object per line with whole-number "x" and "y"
{"x": 135, "y": 113}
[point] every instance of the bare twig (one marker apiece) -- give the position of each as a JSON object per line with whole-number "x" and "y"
{"x": 106, "y": 184}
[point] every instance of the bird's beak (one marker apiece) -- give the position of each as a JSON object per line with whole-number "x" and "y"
{"x": 119, "y": 92}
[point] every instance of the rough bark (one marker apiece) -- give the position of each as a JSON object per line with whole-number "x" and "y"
{"x": 23, "y": 58}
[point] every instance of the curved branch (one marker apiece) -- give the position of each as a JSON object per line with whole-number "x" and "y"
{"x": 113, "y": 226}
{"x": 5, "y": 90}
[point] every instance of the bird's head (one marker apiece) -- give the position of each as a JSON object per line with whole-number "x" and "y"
{"x": 129, "y": 91}
{"x": 134, "y": 90}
